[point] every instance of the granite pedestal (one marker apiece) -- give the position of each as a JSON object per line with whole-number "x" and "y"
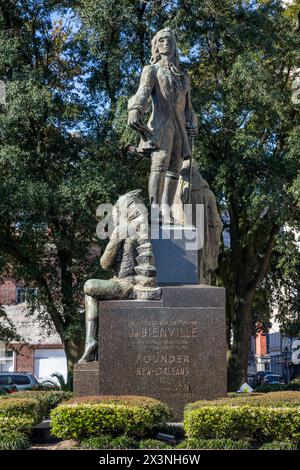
{"x": 176, "y": 249}
{"x": 173, "y": 349}
{"x": 86, "y": 379}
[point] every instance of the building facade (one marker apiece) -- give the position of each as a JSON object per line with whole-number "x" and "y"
{"x": 272, "y": 352}
{"x": 37, "y": 352}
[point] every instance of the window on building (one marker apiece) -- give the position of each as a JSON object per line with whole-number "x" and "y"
{"x": 20, "y": 295}
{"x": 276, "y": 364}
{"x": 6, "y": 360}
{"x": 23, "y": 292}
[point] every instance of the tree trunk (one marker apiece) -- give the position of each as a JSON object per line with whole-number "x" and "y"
{"x": 73, "y": 353}
{"x": 241, "y": 330}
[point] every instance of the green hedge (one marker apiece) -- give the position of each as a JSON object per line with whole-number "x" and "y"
{"x": 279, "y": 445}
{"x": 267, "y": 388}
{"x": 23, "y": 410}
{"x": 20, "y": 407}
{"x": 47, "y": 400}
{"x": 108, "y": 442}
{"x": 154, "y": 444}
{"x": 18, "y": 415}
{"x": 275, "y": 400}
{"x": 228, "y": 444}
{"x": 24, "y": 424}
{"x": 92, "y": 416}
{"x": 257, "y": 423}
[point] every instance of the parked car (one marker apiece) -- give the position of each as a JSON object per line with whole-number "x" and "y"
{"x": 5, "y": 389}
{"x": 272, "y": 379}
{"x": 260, "y": 375}
{"x": 19, "y": 380}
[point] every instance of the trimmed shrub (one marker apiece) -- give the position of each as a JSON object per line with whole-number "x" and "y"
{"x": 267, "y": 388}
{"x": 14, "y": 440}
{"x": 92, "y": 416}
{"x": 23, "y": 424}
{"x": 274, "y": 400}
{"x": 238, "y": 394}
{"x": 20, "y": 407}
{"x": 279, "y": 445}
{"x": 97, "y": 442}
{"x": 154, "y": 444}
{"x": 158, "y": 410}
{"x": 214, "y": 444}
{"x": 48, "y": 400}
{"x": 259, "y": 423}
{"x": 108, "y": 442}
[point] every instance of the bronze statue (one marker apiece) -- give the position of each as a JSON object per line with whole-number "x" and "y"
{"x": 173, "y": 122}
{"x": 212, "y": 223}
{"x": 129, "y": 255}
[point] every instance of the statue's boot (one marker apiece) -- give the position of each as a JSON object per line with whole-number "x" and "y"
{"x": 90, "y": 352}
{"x": 168, "y": 196}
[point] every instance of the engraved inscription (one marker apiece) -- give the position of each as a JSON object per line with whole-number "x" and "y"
{"x": 163, "y": 329}
{"x": 165, "y": 351}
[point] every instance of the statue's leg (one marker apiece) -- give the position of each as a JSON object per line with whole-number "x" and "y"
{"x": 91, "y": 325}
{"x": 159, "y": 164}
{"x": 171, "y": 179}
{"x": 95, "y": 290}
{"x": 157, "y": 177}
{"x": 156, "y": 186}
{"x": 170, "y": 187}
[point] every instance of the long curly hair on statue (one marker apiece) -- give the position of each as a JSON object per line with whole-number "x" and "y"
{"x": 155, "y": 55}
{"x": 130, "y": 211}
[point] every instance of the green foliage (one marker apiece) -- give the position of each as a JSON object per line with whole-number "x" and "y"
{"x": 108, "y": 442}
{"x": 14, "y": 440}
{"x": 277, "y": 387}
{"x": 8, "y": 331}
{"x": 47, "y": 400}
{"x": 62, "y": 384}
{"x": 20, "y": 407}
{"x": 18, "y": 416}
{"x": 134, "y": 416}
{"x": 279, "y": 445}
{"x": 283, "y": 282}
{"x": 274, "y": 400}
{"x": 228, "y": 444}
{"x": 23, "y": 424}
{"x": 159, "y": 411}
{"x": 243, "y": 421}
{"x": 154, "y": 444}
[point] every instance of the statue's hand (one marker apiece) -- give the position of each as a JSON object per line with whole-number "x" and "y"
{"x": 191, "y": 129}
{"x": 135, "y": 122}
{"x": 119, "y": 233}
{"x": 134, "y": 118}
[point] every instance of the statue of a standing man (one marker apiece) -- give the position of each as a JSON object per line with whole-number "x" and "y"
{"x": 173, "y": 122}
